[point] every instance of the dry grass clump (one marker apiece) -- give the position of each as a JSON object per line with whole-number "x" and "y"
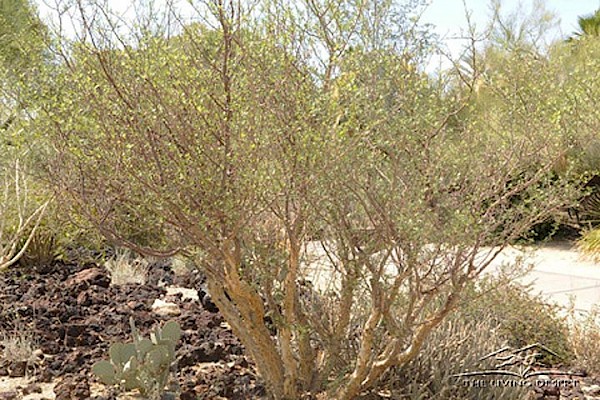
{"x": 494, "y": 314}
{"x": 124, "y": 268}
{"x": 17, "y": 346}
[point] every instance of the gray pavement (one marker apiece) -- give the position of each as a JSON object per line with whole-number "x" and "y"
{"x": 560, "y": 273}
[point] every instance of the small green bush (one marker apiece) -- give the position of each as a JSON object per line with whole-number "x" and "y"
{"x": 42, "y": 250}
{"x": 522, "y": 318}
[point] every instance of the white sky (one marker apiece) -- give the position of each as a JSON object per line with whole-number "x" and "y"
{"x": 448, "y": 16}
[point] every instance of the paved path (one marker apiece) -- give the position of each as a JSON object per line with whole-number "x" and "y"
{"x": 560, "y": 273}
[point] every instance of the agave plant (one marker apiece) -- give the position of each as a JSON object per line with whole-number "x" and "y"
{"x": 589, "y": 244}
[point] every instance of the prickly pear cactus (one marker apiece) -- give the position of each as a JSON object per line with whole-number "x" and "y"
{"x": 144, "y": 364}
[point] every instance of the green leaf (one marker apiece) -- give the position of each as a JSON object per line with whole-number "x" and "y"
{"x": 143, "y": 347}
{"x": 157, "y": 359}
{"x": 171, "y": 331}
{"x": 105, "y": 371}
{"x": 131, "y": 365}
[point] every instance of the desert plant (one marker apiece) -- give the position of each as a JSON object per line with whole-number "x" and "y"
{"x": 18, "y": 347}
{"x": 353, "y": 156}
{"x": 584, "y": 338}
{"x": 456, "y": 347}
{"x": 496, "y": 314}
{"x": 144, "y": 364}
{"x": 589, "y": 244}
{"x": 42, "y": 249}
{"x": 20, "y": 216}
{"x": 522, "y": 318}
{"x": 124, "y": 268}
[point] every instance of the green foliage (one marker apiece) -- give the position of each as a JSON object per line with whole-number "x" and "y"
{"x": 22, "y": 56}
{"x": 522, "y": 318}
{"x": 20, "y": 213}
{"x": 41, "y": 251}
{"x": 573, "y": 67}
{"x": 589, "y": 25}
{"x": 589, "y": 244}
{"x": 63, "y": 236}
{"x": 144, "y": 364}
{"x": 552, "y": 88}
{"x": 244, "y": 139}
{"x": 21, "y": 35}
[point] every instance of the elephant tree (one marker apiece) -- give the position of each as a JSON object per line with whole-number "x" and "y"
{"x": 273, "y": 140}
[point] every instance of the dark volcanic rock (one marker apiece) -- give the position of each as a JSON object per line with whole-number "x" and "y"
{"x": 32, "y": 388}
{"x": 72, "y": 388}
{"x": 17, "y": 369}
{"x": 88, "y": 277}
{"x": 9, "y": 395}
{"x": 75, "y": 315}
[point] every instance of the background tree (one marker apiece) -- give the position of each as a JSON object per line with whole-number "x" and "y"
{"x": 589, "y": 25}
{"x": 22, "y": 202}
{"x": 21, "y": 50}
{"x": 578, "y": 59}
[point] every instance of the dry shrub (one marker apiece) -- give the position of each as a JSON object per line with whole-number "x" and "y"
{"x": 401, "y": 197}
{"x": 584, "y": 339}
{"x": 456, "y": 347}
{"x": 17, "y": 345}
{"x": 522, "y": 318}
{"x": 493, "y": 315}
